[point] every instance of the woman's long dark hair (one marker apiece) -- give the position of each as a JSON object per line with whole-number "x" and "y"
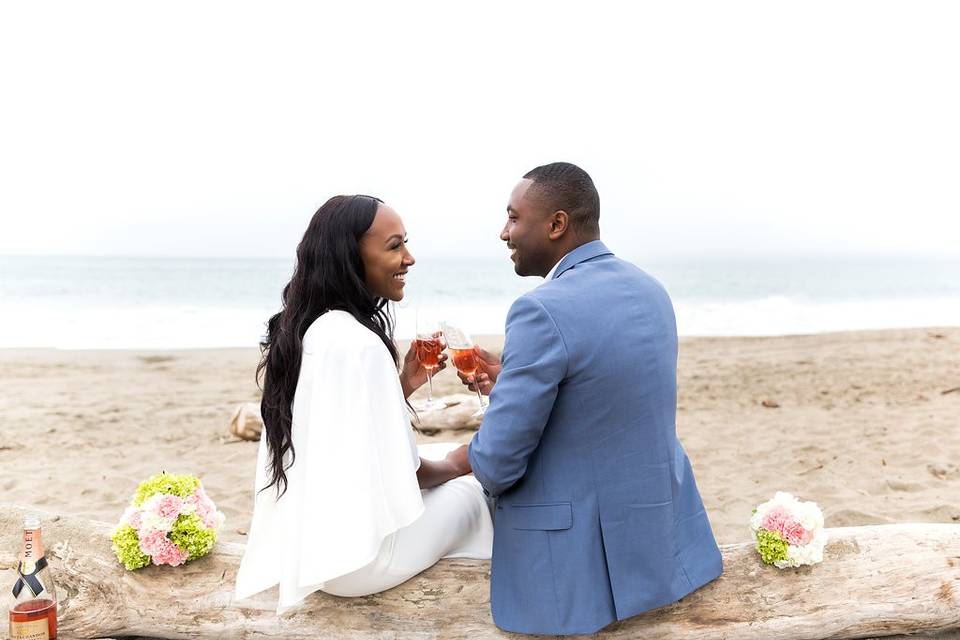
{"x": 328, "y": 275}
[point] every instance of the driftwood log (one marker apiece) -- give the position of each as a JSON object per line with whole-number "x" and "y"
{"x": 246, "y": 423}
{"x": 457, "y": 416}
{"x": 875, "y": 580}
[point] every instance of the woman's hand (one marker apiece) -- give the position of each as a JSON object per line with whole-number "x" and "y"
{"x": 413, "y": 375}
{"x": 434, "y": 472}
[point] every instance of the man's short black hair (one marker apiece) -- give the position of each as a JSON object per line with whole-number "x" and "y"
{"x": 561, "y": 185}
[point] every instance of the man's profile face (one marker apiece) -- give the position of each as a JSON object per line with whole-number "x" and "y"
{"x": 527, "y": 232}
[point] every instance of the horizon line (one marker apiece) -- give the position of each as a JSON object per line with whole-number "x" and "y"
{"x": 728, "y": 254}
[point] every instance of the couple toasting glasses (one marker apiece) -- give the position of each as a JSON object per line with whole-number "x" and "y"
{"x": 575, "y": 482}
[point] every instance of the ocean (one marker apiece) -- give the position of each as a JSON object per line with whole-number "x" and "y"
{"x": 174, "y": 303}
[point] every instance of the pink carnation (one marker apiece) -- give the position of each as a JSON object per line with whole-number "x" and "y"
{"x": 169, "y": 506}
{"x": 206, "y": 510}
{"x": 202, "y": 496}
{"x": 775, "y": 520}
{"x": 210, "y": 520}
{"x": 796, "y": 534}
{"x": 161, "y": 550}
{"x": 134, "y": 519}
{"x": 793, "y": 532}
{"x": 171, "y": 554}
{"x": 153, "y": 542}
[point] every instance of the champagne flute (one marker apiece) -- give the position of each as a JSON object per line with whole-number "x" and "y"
{"x": 464, "y": 358}
{"x": 428, "y": 344}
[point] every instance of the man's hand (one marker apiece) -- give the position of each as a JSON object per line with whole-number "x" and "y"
{"x": 487, "y": 371}
{"x": 459, "y": 460}
{"x": 413, "y": 375}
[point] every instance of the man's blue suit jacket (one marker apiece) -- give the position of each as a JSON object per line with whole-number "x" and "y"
{"x": 598, "y": 517}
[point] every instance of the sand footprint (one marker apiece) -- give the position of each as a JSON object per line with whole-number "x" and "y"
{"x": 910, "y": 487}
{"x": 853, "y": 518}
{"x": 942, "y": 513}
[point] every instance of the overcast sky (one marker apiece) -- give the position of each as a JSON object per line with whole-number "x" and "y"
{"x": 203, "y": 129}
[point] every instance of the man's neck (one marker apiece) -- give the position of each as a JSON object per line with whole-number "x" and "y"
{"x": 567, "y": 250}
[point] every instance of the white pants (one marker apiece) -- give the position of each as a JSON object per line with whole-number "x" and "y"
{"x": 455, "y": 523}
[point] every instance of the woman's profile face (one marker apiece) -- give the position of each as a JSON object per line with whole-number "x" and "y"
{"x": 383, "y": 249}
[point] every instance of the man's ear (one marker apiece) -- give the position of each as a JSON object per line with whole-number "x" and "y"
{"x": 559, "y": 224}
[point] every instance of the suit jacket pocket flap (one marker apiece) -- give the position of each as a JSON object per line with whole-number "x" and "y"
{"x": 542, "y": 517}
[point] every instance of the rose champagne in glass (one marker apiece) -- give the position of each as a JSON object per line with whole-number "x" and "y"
{"x": 464, "y": 358}
{"x": 429, "y": 345}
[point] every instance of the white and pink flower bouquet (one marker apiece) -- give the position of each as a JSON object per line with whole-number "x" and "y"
{"x": 788, "y": 532}
{"x": 171, "y": 520}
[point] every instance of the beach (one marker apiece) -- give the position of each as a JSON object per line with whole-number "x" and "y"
{"x": 867, "y": 424}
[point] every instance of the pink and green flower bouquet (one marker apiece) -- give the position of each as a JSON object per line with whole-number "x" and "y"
{"x": 171, "y": 520}
{"x": 788, "y": 532}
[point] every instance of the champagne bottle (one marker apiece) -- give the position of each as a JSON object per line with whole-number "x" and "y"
{"x": 33, "y": 610}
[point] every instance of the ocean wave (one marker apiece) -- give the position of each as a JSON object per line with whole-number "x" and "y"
{"x": 52, "y": 325}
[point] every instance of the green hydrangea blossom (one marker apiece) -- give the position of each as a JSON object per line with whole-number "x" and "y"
{"x": 772, "y": 546}
{"x": 178, "y": 485}
{"x": 190, "y": 534}
{"x": 126, "y": 545}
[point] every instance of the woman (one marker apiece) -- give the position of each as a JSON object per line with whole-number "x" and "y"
{"x": 343, "y": 503}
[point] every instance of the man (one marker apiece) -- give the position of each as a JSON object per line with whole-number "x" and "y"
{"x": 598, "y": 517}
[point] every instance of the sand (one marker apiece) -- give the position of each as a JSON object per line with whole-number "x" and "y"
{"x": 867, "y": 424}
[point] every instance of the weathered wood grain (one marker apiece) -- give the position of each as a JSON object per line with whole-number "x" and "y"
{"x": 874, "y": 581}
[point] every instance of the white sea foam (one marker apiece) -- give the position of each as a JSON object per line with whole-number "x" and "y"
{"x": 183, "y": 327}
{"x": 778, "y": 315}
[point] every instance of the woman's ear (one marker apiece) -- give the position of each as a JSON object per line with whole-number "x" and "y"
{"x": 559, "y": 224}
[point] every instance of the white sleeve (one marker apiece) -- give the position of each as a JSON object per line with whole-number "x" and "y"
{"x": 360, "y": 483}
{"x": 413, "y": 438}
